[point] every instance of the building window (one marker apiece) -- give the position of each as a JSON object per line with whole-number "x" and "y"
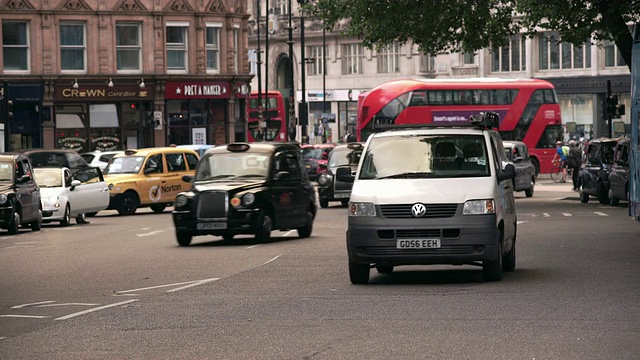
{"x": 612, "y": 56}
{"x": 352, "y": 55}
{"x": 72, "y": 46}
{"x": 15, "y": 45}
{"x": 427, "y": 63}
{"x": 510, "y": 57}
{"x": 213, "y": 48}
{"x": 280, "y": 7}
{"x": 555, "y": 54}
{"x": 468, "y": 59}
{"x": 389, "y": 59}
{"x": 318, "y": 65}
{"x": 128, "y": 46}
{"x": 177, "y": 48}
{"x": 236, "y": 48}
{"x": 252, "y": 57}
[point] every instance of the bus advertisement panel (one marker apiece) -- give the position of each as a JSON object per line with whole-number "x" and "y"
{"x": 528, "y": 109}
{"x": 274, "y": 115}
{"x": 634, "y": 148}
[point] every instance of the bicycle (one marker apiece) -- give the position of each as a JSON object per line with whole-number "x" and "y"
{"x": 556, "y": 172}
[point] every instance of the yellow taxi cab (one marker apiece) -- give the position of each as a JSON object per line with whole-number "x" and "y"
{"x": 148, "y": 177}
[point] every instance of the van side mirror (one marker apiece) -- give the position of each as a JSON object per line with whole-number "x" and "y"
{"x": 344, "y": 174}
{"x": 508, "y": 173}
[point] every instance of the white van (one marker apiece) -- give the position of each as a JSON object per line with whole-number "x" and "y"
{"x": 432, "y": 195}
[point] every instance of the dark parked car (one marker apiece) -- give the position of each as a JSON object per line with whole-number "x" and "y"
{"x": 329, "y": 188}
{"x": 315, "y": 158}
{"x": 619, "y": 174}
{"x": 518, "y": 153}
{"x": 19, "y": 195}
{"x": 244, "y": 188}
{"x": 594, "y": 173}
{"x": 55, "y": 158}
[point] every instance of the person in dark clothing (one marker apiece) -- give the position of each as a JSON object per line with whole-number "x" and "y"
{"x": 574, "y": 161}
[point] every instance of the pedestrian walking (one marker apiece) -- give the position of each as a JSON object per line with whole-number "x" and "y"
{"x": 574, "y": 161}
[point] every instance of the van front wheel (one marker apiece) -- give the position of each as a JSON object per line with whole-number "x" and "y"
{"x": 358, "y": 273}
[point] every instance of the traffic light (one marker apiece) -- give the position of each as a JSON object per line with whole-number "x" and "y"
{"x": 612, "y": 102}
{"x": 9, "y": 109}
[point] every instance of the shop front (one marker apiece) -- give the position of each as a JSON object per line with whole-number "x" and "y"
{"x": 204, "y": 112}
{"x": 25, "y": 127}
{"x": 96, "y": 117}
{"x": 343, "y": 103}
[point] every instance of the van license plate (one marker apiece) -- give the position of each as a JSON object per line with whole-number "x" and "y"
{"x": 418, "y": 243}
{"x": 341, "y": 196}
{"x": 211, "y": 226}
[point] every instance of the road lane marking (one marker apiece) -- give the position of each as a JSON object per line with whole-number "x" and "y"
{"x": 18, "y": 247}
{"x": 600, "y": 213}
{"x": 67, "y": 228}
{"x": 68, "y": 304}
{"x": 150, "y": 233}
{"x": 271, "y": 260}
{"x": 24, "y": 316}
{"x": 197, "y": 283}
{"x": 521, "y": 221}
{"x": 27, "y": 242}
{"x": 32, "y": 304}
{"x": 80, "y": 313}
{"x": 2, "y": 337}
{"x": 6, "y": 237}
{"x": 545, "y": 214}
{"x": 567, "y": 214}
{"x": 155, "y": 287}
{"x": 252, "y": 246}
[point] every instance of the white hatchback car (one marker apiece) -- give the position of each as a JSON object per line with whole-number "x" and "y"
{"x": 69, "y": 193}
{"x": 100, "y": 158}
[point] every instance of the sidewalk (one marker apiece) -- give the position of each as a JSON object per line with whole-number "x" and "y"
{"x": 545, "y": 183}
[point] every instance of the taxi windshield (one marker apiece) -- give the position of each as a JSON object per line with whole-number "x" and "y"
{"x": 6, "y": 172}
{"x": 125, "y": 165}
{"x": 312, "y": 153}
{"x": 224, "y": 166}
{"x": 425, "y": 156}
{"x": 344, "y": 157}
{"x": 46, "y": 178}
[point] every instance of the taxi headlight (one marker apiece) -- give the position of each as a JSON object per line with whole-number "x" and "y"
{"x": 3, "y": 199}
{"x": 235, "y": 201}
{"x": 248, "y": 199}
{"x": 478, "y": 207}
{"x": 362, "y": 209}
{"x": 324, "y": 179}
{"x": 181, "y": 201}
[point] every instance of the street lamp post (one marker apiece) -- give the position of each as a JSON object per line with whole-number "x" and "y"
{"x": 259, "y": 63}
{"x": 292, "y": 113}
{"x": 303, "y": 113}
{"x": 324, "y": 80}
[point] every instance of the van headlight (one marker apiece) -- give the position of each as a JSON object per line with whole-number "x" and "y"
{"x": 3, "y": 199}
{"x": 362, "y": 209}
{"x": 478, "y": 207}
{"x": 181, "y": 201}
{"x": 248, "y": 199}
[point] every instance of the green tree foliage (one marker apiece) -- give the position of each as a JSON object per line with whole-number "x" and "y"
{"x": 438, "y": 26}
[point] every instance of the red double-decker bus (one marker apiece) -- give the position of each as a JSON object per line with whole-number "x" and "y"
{"x": 274, "y": 114}
{"x": 528, "y": 109}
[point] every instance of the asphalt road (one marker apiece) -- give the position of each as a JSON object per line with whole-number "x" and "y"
{"x": 121, "y": 288}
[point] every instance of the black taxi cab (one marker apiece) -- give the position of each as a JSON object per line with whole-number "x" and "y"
{"x": 243, "y": 188}
{"x": 329, "y": 187}
{"x": 19, "y": 194}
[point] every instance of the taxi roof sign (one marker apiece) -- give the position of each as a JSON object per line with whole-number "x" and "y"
{"x": 238, "y": 147}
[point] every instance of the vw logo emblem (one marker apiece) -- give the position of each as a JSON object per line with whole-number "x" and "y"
{"x": 418, "y": 210}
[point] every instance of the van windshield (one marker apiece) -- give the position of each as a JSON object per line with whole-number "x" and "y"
{"x": 425, "y": 156}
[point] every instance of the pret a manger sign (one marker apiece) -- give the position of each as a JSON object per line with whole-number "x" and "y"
{"x": 199, "y": 90}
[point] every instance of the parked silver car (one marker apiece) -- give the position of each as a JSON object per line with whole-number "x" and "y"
{"x": 518, "y": 153}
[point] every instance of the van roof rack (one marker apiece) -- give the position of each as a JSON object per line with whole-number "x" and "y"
{"x": 484, "y": 120}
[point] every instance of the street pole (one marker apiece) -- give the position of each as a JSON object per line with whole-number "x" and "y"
{"x": 292, "y": 112}
{"x": 324, "y": 81}
{"x": 304, "y": 116}
{"x": 259, "y": 62}
{"x": 608, "y": 110}
{"x": 266, "y": 66}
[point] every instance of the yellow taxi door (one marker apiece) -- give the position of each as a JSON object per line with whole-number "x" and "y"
{"x": 154, "y": 175}
{"x": 176, "y": 168}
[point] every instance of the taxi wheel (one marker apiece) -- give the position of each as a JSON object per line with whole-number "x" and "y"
{"x": 613, "y": 201}
{"x": 37, "y": 224}
{"x": 263, "y": 233}
{"x": 324, "y": 204}
{"x": 529, "y": 191}
{"x": 228, "y": 237}
{"x": 492, "y": 269}
{"x": 128, "y": 204}
{"x": 602, "y": 193}
{"x": 66, "y": 219}
{"x": 358, "y": 273}
{"x": 14, "y": 227}
{"x": 184, "y": 239}
{"x": 158, "y": 208}
{"x": 305, "y": 231}
{"x": 584, "y": 197}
